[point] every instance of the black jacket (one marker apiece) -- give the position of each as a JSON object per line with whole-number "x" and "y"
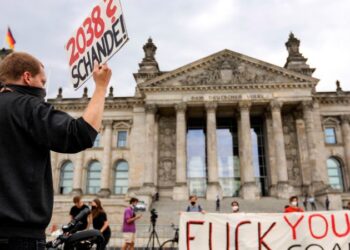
{"x": 29, "y": 129}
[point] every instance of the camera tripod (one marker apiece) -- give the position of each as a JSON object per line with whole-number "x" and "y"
{"x": 153, "y": 236}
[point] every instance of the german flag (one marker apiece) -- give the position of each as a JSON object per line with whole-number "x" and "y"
{"x": 9, "y": 39}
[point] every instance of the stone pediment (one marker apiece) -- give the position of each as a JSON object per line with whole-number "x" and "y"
{"x": 227, "y": 68}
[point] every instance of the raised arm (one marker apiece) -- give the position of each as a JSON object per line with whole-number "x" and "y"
{"x": 94, "y": 111}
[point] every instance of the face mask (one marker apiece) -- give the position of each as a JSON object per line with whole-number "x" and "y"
{"x": 93, "y": 207}
{"x": 193, "y": 203}
{"x": 294, "y": 203}
{"x": 235, "y": 208}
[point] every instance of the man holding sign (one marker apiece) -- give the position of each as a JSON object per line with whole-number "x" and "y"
{"x": 30, "y": 128}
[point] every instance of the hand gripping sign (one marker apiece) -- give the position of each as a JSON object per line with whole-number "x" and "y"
{"x": 248, "y": 231}
{"x": 99, "y": 37}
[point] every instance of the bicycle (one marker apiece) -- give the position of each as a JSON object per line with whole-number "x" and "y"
{"x": 70, "y": 239}
{"x": 173, "y": 242}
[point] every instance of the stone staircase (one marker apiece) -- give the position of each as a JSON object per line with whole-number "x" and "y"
{"x": 169, "y": 210}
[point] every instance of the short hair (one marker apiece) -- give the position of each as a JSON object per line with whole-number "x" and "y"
{"x": 234, "y": 202}
{"x": 76, "y": 199}
{"x": 133, "y": 199}
{"x": 15, "y": 64}
{"x": 292, "y": 198}
{"x": 192, "y": 196}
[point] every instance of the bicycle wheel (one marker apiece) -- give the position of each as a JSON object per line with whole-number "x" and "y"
{"x": 169, "y": 245}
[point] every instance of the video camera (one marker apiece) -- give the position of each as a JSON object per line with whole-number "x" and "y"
{"x": 72, "y": 239}
{"x": 154, "y": 215}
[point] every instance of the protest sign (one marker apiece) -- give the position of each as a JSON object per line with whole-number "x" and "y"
{"x": 243, "y": 231}
{"x": 99, "y": 37}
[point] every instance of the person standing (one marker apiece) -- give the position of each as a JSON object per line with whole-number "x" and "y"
{"x": 312, "y": 202}
{"x": 76, "y": 209}
{"x": 293, "y": 205}
{"x": 99, "y": 221}
{"x": 30, "y": 128}
{"x": 217, "y": 203}
{"x": 129, "y": 227}
{"x": 305, "y": 201}
{"x": 194, "y": 207}
{"x": 327, "y": 203}
{"x": 235, "y": 206}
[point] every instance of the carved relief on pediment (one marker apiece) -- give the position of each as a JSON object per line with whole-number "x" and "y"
{"x": 229, "y": 71}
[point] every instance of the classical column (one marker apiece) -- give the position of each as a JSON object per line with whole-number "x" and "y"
{"x": 283, "y": 189}
{"x": 78, "y": 173}
{"x": 213, "y": 189}
{"x": 106, "y": 167}
{"x": 345, "y": 120}
{"x": 148, "y": 183}
{"x": 303, "y": 151}
{"x": 316, "y": 179}
{"x": 155, "y": 150}
{"x": 249, "y": 189}
{"x": 180, "y": 191}
{"x": 137, "y": 150}
{"x": 321, "y": 152}
{"x": 272, "y": 169}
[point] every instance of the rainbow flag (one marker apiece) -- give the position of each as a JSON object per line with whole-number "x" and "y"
{"x": 9, "y": 39}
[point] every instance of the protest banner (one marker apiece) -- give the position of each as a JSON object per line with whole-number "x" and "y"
{"x": 99, "y": 37}
{"x": 243, "y": 231}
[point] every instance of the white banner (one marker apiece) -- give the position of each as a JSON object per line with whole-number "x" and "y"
{"x": 243, "y": 231}
{"x": 99, "y": 37}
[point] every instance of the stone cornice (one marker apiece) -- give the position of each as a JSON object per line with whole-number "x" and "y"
{"x": 304, "y": 85}
{"x": 122, "y": 124}
{"x": 80, "y": 104}
{"x": 331, "y": 99}
{"x": 341, "y": 98}
{"x": 225, "y": 54}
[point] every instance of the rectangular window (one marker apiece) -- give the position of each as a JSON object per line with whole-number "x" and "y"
{"x": 121, "y": 139}
{"x": 330, "y": 136}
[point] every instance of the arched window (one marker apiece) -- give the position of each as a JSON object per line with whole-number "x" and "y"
{"x": 335, "y": 174}
{"x": 66, "y": 178}
{"x": 93, "y": 177}
{"x": 121, "y": 180}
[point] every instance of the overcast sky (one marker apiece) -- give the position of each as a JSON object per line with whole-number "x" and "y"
{"x": 185, "y": 31}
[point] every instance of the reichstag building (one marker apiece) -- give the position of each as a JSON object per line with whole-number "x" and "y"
{"x": 226, "y": 124}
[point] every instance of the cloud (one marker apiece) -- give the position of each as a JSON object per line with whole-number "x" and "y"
{"x": 185, "y": 31}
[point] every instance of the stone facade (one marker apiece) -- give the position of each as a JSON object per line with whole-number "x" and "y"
{"x": 225, "y": 84}
{"x": 155, "y": 121}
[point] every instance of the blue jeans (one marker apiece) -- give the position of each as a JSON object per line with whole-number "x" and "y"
{"x": 22, "y": 244}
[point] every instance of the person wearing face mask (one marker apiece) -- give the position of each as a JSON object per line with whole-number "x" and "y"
{"x": 235, "y": 206}
{"x": 293, "y": 205}
{"x": 29, "y": 129}
{"x": 98, "y": 217}
{"x": 194, "y": 207}
{"x": 129, "y": 227}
